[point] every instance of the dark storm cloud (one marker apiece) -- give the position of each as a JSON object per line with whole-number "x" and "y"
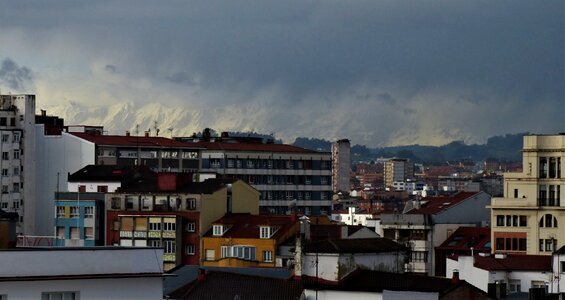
{"x": 14, "y": 76}
{"x": 447, "y": 60}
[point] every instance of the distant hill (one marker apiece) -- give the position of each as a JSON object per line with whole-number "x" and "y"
{"x": 505, "y": 148}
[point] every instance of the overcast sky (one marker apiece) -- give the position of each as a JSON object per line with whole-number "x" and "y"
{"x": 377, "y": 72}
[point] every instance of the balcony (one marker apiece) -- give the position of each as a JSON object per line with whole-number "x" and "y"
{"x": 127, "y": 234}
{"x": 169, "y": 234}
{"x": 154, "y": 234}
{"x": 169, "y": 257}
{"x": 513, "y": 203}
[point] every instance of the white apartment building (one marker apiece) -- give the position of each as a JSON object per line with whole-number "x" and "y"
{"x": 17, "y": 163}
{"x": 530, "y": 217}
{"x": 341, "y": 166}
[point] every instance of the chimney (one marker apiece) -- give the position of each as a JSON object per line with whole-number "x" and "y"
{"x": 127, "y": 133}
{"x": 201, "y": 275}
{"x": 455, "y": 278}
{"x": 147, "y": 134}
{"x": 43, "y": 112}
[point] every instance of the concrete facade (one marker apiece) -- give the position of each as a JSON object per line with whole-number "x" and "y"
{"x": 341, "y": 166}
{"x": 533, "y": 206}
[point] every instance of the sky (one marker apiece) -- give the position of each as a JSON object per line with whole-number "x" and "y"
{"x": 379, "y": 72}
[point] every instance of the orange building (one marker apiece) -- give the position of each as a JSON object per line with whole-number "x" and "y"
{"x": 245, "y": 240}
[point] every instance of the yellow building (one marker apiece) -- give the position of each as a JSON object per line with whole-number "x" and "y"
{"x": 527, "y": 219}
{"x": 245, "y": 240}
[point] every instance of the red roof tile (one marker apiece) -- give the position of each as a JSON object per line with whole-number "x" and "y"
{"x": 515, "y": 263}
{"x": 133, "y": 141}
{"x": 466, "y": 237}
{"x": 247, "y": 225}
{"x": 435, "y": 205}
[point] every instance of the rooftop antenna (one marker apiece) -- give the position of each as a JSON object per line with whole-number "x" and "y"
{"x": 156, "y": 128}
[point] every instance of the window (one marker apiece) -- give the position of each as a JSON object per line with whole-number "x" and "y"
{"x": 543, "y": 167}
{"x": 4, "y": 189}
{"x": 4, "y": 172}
{"x": 60, "y": 211}
{"x": 60, "y": 296}
{"x": 169, "y": 246}
{"x": 60, "y": 232}
{"x": 102, "y": 188}
{"x": 210, "y": 254}
{"x": 189, "y": 249}
{"x": 418, "y": 235}
{"x": 17, "y": 137}
{"x": 88, "y": 233}
{"x": 515, "y": 193}
{"x": 548, "y": 221}
{"x": 4, "y": 205}
{"x": 215, "y": 163}
{"x": 231, "y": 163}
{"x": 499, "y": 220}
{"x": 82, "y": 188}
{"x": 190, "y": 203}
{"x": 16, "y": 171}
{"x": 547, "y": 245}
{"x": 308, "y": 179}
{"x": 16, "y": 187}
{"x": 514, "y": 286}
{"x": 191, "y": 227}
{"x": 74, "y": 211}
{"x": 267, "y": 256}
{"x": 523, "y": 221}
{"x": 218, "y": 230}
{"x": 115, "y": 203}
{"x": 419, "y": 256}
{"x": 5, "y": 138}
{"x": 17, "y": 154}
{"x": 75, "y": 233}
{"x": 289, "y": 195}
{"x": 243, "y": 252}
{"x": 307, "y": 195}
{"x": 154, "y": 243}
{"x": 169, "y": 225}
{"x": 5, "y": 156}
{"x": 155, "y": 224}
{"x": 89, "y": 212}
{"x": 265, "y": 232}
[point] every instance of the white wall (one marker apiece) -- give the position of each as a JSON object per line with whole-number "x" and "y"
{"x": 115, "y": 288}
{"x": 56, "y": 157}
{"x": 92, "y": 187}
{"x": 481, "y": 278}
{"x": 340, "y": 295}
{"x": 403, "y": 295}
{"x": 333, "y": 266}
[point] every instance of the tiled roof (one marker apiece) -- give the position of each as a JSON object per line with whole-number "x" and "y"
{"x": 229, "y": 286}
{"x": 324, "y": 232}
{"x": 243, "y": 225}
{"x": 514, "y": 263}
{"x": 376, "y": 281}
{"x": 133, "y": 141}
{"x": 373, "y": 245}
{"x": 279, "y": 148}
{"x": 99, "y": 173}
{"x": 435, "y": 205}
{"x": 466, "y": 237}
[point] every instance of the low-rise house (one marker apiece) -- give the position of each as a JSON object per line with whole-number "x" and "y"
{"x": 81, "y": 273}
{"x": 332, "y": 260}
{"x": 367, "y": 284}
{"x": 425, "y": 224}
{"x": 518, "y": 273}
{"x": 464, "y": 241}
{"x": 245, "y": 240}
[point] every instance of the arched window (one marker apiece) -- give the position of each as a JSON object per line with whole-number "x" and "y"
{"x": 548, "y": 221}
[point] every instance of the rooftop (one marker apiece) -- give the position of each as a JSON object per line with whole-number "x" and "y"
{"x": 242, "y": 225}
{"x": 255, "y": 147}
{"x": 436, "y": 205}
{"x": 372, "y": 245}
{"x": 466, "y": 237}
{"x": 512, "y": 263}
{"x": 133, "y": 141}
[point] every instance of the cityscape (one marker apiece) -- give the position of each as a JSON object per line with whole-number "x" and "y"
{"x": 292, "y": 150}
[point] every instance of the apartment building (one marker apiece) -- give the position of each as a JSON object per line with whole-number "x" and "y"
{"x": 341, "y": 166}
{"x": 397, "y": 170}
{"x": 527, "y": 219}
{"x": 17, "y": 163}
{"x": 167, "y": 212}
{"x": 289, "y": 178}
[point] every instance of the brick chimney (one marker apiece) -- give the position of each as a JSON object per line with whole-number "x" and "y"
{"x": 455, "y": 278}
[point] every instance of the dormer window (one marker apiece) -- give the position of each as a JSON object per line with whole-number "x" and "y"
{"x": 266, "y": 232}
{"x": 219, "y": 230}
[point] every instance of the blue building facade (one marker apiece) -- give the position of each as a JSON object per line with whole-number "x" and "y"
{"x": 79, "y": 219}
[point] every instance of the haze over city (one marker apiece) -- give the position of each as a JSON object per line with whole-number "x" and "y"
{"x": 376, "y": 72}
